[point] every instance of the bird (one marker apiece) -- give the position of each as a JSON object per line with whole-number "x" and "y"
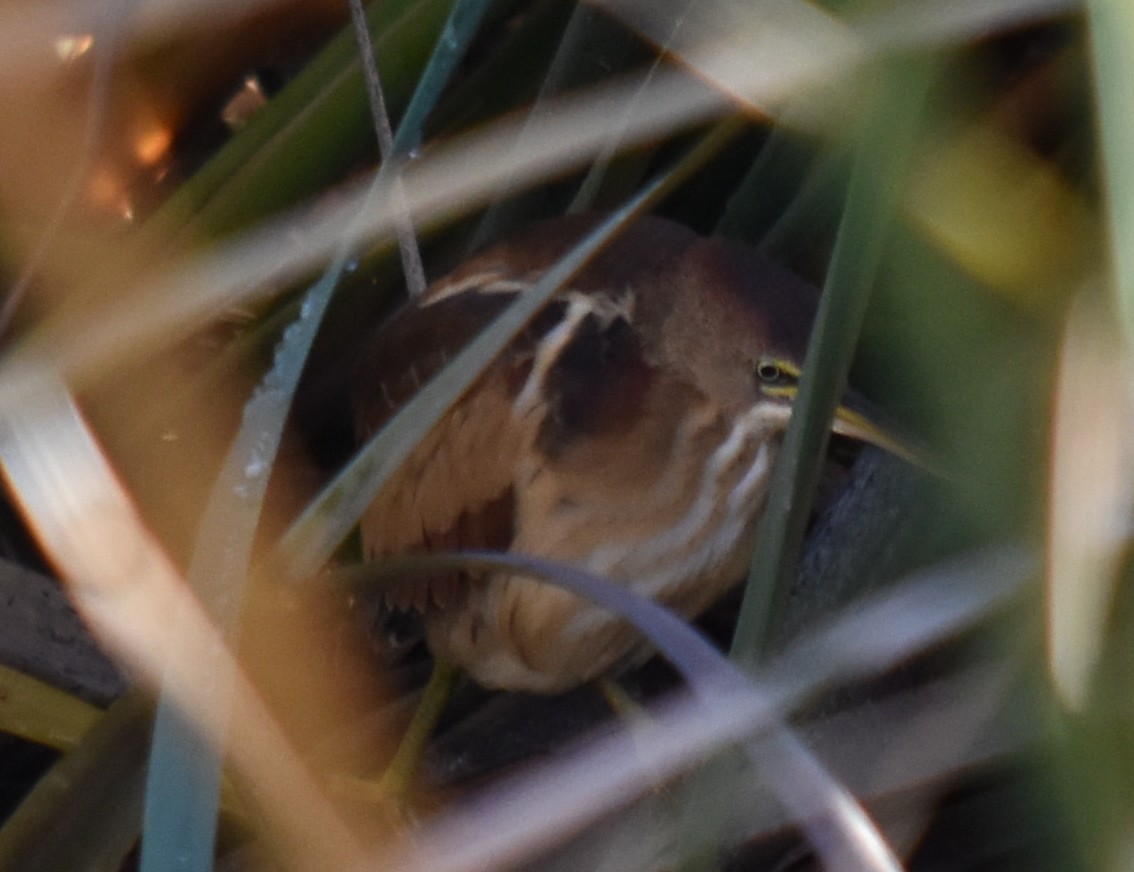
{"x": 630, "y": 431}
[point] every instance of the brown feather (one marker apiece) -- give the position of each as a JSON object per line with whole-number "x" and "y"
{"x": 456, "y": 489}
{"x": 624, "y": 433}
{"x": 451, "y": 493}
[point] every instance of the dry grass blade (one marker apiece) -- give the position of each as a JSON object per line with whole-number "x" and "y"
{"x": 1092, "y": 495}
{"x": 126, "y": 588}
{"x": 407, "y": 241}
{"x": 912, "y": 747}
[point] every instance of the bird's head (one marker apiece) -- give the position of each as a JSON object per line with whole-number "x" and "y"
{"x": 735, "y": 323}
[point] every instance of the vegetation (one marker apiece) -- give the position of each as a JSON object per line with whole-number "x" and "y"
{"x": 200, "y": 211}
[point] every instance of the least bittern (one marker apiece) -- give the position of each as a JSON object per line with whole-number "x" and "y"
{"x": 630, "y": 431}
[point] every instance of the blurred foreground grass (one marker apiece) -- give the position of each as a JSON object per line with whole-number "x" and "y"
{"x": 176, "y": 179}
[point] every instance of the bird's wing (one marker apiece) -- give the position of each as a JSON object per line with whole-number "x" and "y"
{"x": 455, "y": 489}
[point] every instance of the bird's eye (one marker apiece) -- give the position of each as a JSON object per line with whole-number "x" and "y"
{"x": 769, "y": 372}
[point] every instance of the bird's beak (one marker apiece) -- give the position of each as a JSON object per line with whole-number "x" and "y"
{"x": 855, "y": 419}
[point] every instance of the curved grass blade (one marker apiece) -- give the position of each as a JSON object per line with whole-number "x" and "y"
{"x": 839, "y": 829}
{"x": 183, "y": 786}
{"x": 701, "y": 665}
{"x": 886, "y": 135}
{"x": 129, "y": 591}
{"x": 523, "y": 817}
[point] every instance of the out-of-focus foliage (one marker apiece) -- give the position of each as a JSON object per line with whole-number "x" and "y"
{"x": 176, "y": 178}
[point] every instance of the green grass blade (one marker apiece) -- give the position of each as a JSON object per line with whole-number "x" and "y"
{"x": 183, "y": 786}
{"x": 454, "y": 41}
{"x": 592, "y": 47}
{"x": 886, "y": 139}
{"x": 315, "y": 126}
{"x": 1112, "y": 27}
{"x": 814, "y": 207}
{"x": 493, "y": 88}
